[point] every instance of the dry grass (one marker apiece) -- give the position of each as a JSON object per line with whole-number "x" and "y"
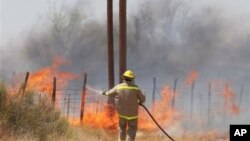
{"x": 23, "y": 120}
{"x": 23, "y": 116}
{"x": 90, "y": 134}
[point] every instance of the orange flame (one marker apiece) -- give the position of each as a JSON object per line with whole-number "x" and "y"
{"x": 101, "y": 119}
{"x": 229, "y": 103}
{"x": 161, "y": 110}
{"x": 193, "y": 75}
{"x": 42, "y": 80}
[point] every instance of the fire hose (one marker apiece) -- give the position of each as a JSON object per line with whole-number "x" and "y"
{"x": 151, "y": 116}
{"x": 145, "y": 108}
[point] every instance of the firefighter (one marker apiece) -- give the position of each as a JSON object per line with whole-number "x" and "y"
{"x": 129, "y": 97}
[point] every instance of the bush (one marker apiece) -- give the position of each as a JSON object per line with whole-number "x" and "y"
{"x": 3, "y": 95}
{"x": 27, "y": 115}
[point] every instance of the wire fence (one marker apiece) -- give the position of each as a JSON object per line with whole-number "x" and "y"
{"x": 204, "y": 104}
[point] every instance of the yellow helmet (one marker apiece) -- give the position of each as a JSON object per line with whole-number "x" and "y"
{"x": 129, "y": 74}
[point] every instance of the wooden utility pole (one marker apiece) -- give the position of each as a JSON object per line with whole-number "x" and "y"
{"x": 25, "y": 82}
{"x": 83, "y": 97}
{"x": 111, "y": 101}
{"x": 110, "y": 44}
{"x": 54, "y": 92}
{"x": 123, "y": 39}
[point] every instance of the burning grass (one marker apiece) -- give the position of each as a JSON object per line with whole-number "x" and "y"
{"x": 161, "y": 110}
{"x": 23, "y": 118}
{"x": 41, "y": 80}
{"x": 37, "y": 119}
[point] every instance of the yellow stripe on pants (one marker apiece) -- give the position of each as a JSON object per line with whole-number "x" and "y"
{"x": 128, "y": 118}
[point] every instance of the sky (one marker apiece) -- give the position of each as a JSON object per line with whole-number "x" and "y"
{"x": 18, "y": 17}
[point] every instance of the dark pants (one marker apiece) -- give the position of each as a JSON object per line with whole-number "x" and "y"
{"x": 132, "y": 129}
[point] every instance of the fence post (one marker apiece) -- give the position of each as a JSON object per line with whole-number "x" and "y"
{"x": 209, "y": 103}
{"x": 68, "y": 106}
{"x": 241, "y": 95}
{"x": 64, "y": 104}
{"x": 54, "y": 92}
{"x": 25, "y": 82}
{"x": 154, "y": 89}
{"x": 74, "y": 106}
{"x": 83, "y": 97}
{"x": 97, "y": 104}
{"x": 225, "y": 103}
{"x": 201, "y": 106}
{"x": 174, "y": 92}
{"x": 192, "y": 99}
{"x": 101, "y": 108}
{"x": 39, "y": 97}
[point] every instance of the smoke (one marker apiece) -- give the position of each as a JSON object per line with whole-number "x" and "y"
{"x": 166, "y": 39}
{"x": 171, "y": 40}
{"x": 71, "y": 35}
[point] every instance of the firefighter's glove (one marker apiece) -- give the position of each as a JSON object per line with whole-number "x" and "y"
{"x": 104, "y": 93}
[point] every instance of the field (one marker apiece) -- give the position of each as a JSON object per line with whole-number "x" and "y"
{"x": 90, "y": 134}
{"x": 24, "y": 117}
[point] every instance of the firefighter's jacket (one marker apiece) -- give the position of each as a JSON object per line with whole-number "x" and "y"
{"x": 129, "y": 96}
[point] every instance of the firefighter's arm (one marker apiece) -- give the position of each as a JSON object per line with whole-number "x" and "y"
{"x": 141, "y": 97}
{"x": 112, "y": 92}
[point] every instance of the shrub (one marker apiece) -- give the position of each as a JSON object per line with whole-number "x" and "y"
{"x": 3, "y": 95}
{"x": 27, "y": 115}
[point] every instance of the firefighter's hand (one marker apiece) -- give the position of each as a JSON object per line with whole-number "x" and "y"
{"x": 104, "y": 93}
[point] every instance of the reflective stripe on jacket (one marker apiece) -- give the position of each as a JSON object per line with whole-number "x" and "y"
{"x": 129, "y": 96}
